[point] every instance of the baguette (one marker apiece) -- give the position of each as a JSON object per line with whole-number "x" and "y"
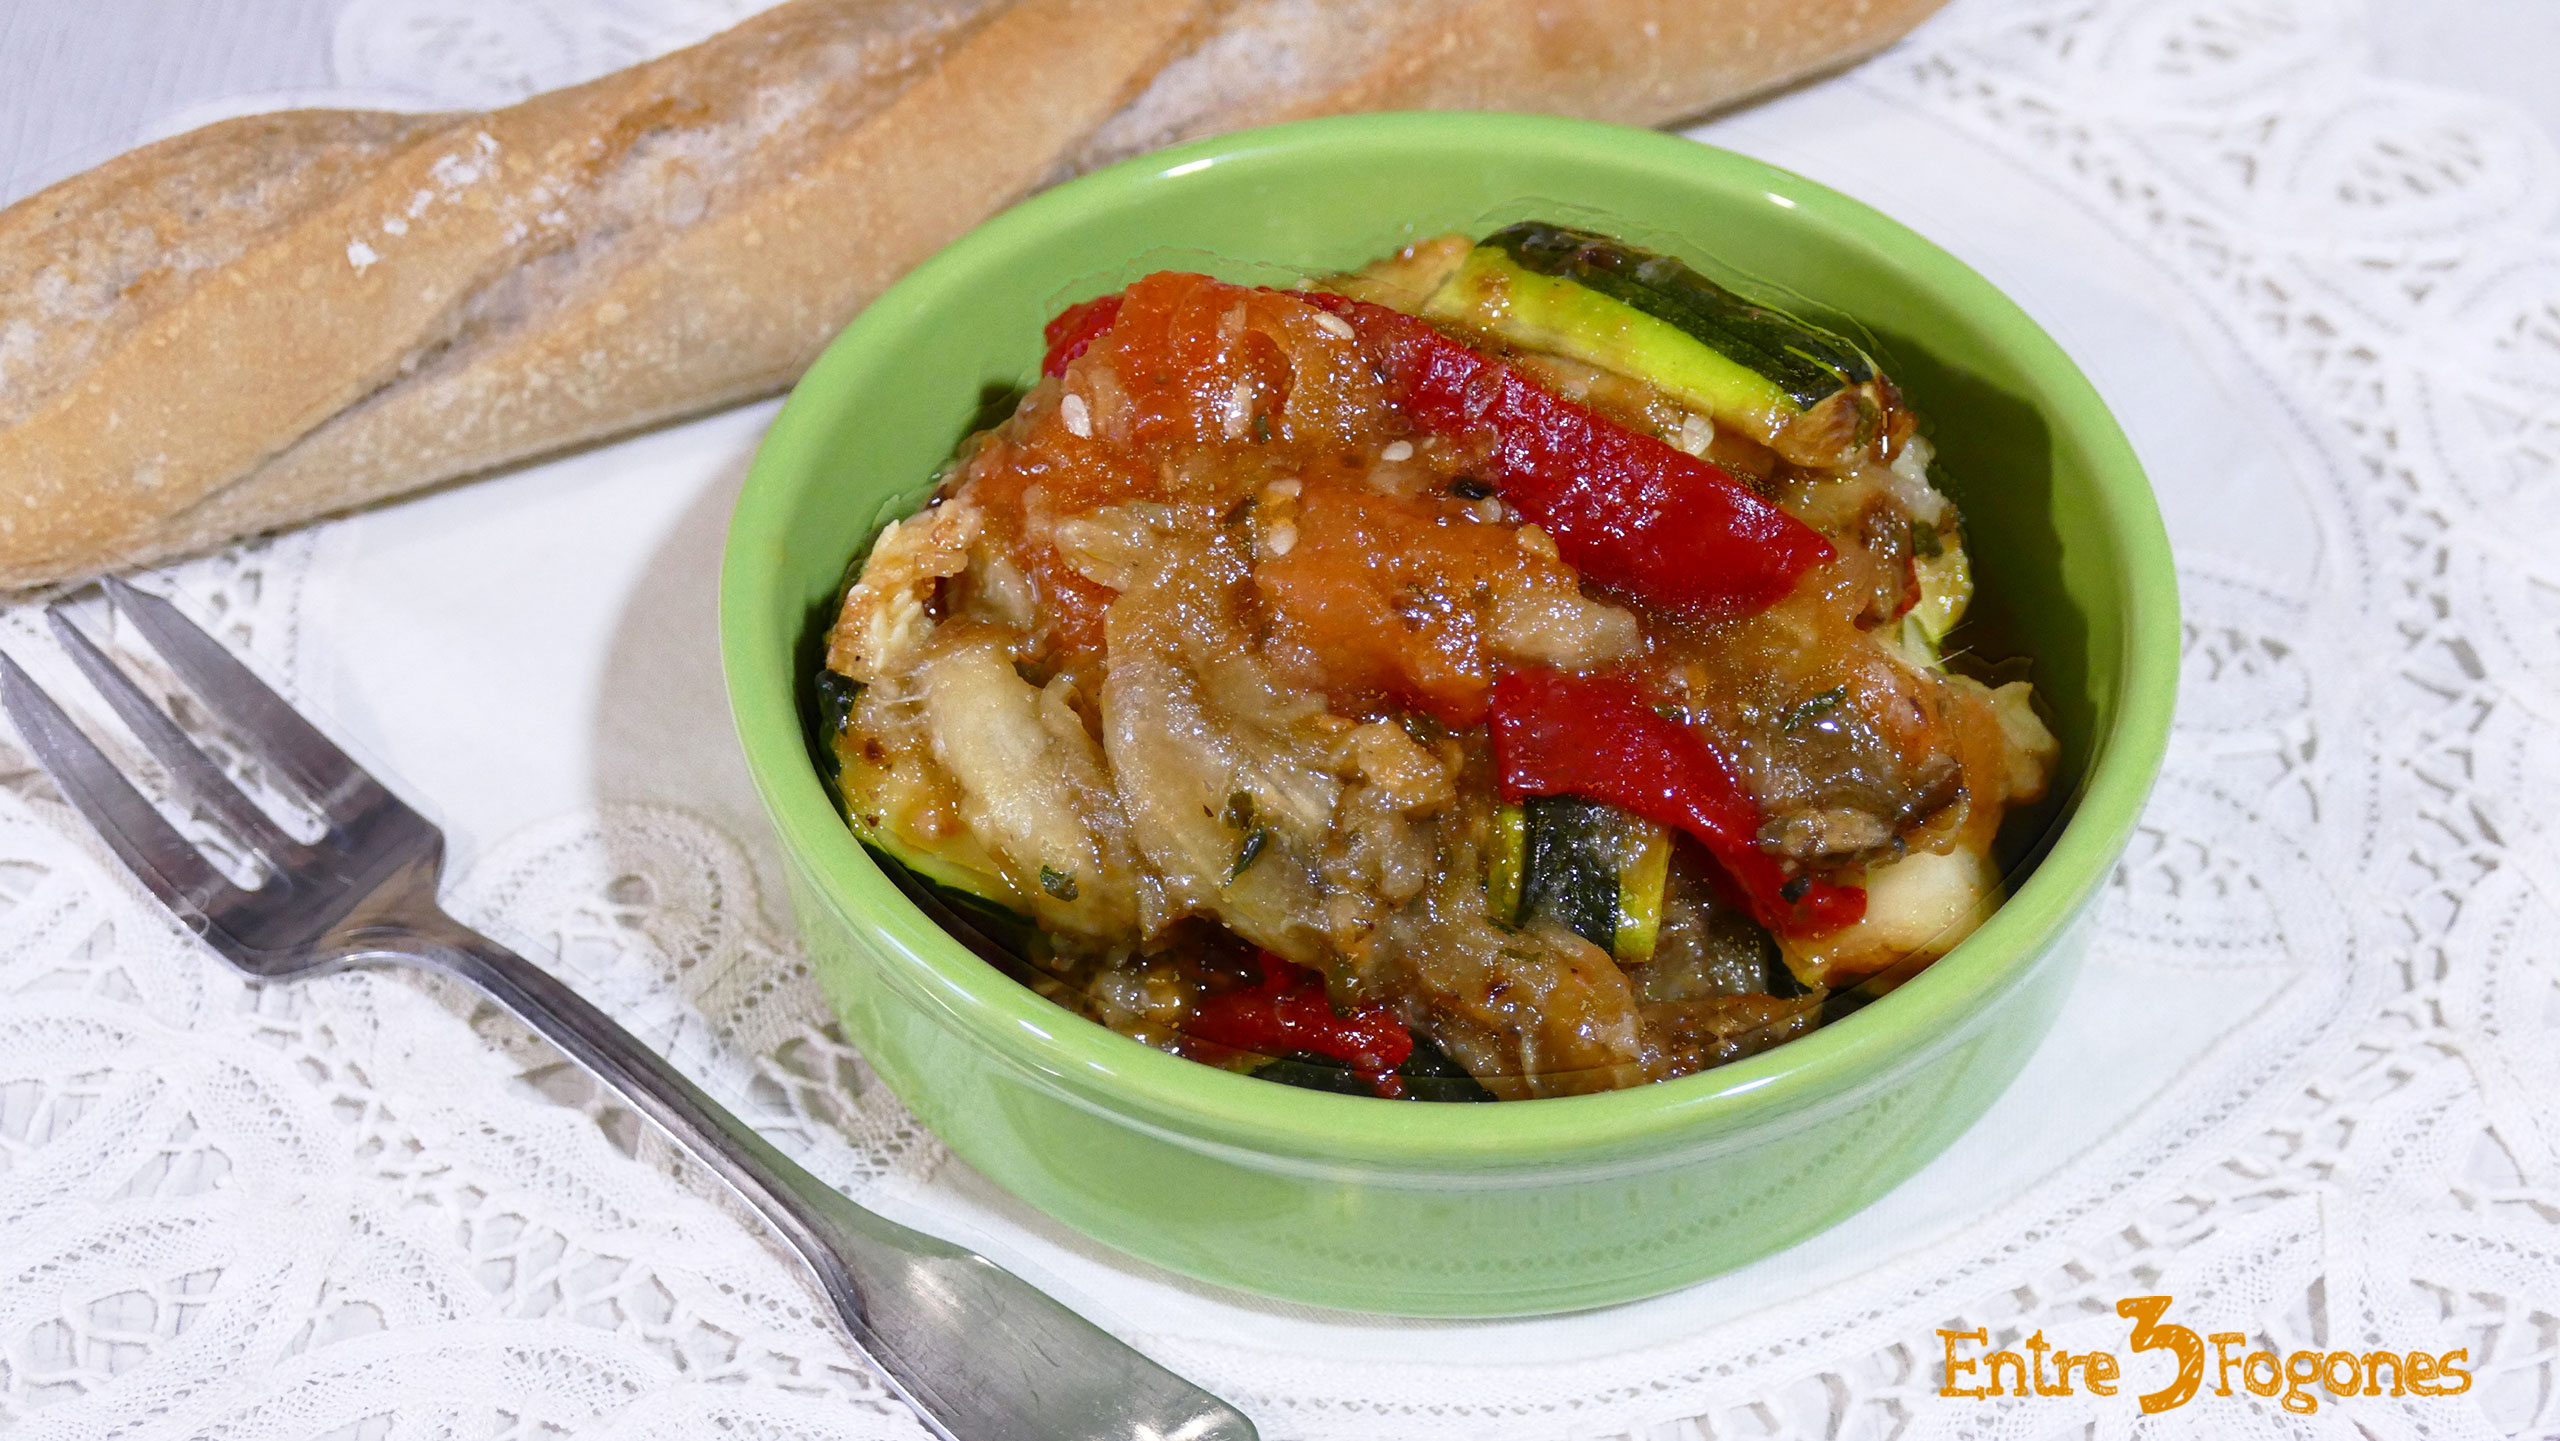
{"x": 284, "y": 316}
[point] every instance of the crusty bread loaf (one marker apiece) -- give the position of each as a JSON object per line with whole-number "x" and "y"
{"x": 1637, "y": 62}
{"x": 286, "y": 315}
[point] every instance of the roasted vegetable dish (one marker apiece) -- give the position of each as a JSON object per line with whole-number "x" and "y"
{"x": 1512, "y": 669}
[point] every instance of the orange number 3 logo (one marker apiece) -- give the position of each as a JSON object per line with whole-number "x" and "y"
{"x": 2150, "y": 1335}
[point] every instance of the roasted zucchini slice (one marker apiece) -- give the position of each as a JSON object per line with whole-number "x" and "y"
{"x": 1812, "y": 396}
{"x": 960, "y": 862}
{"x": 1593, "y": 869}
{"x": 1938, "y": 563}
{"x": 1428, "y": 1075}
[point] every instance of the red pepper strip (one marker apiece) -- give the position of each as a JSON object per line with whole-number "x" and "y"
{"x": 1559, "y": 734}
{"x": 1626, "y": 510}
{"x": 1076, "y": 327}
{"x": 1289, "y": 1012}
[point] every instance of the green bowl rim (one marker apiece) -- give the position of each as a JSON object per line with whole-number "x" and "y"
{"x": 1112, "y": 1073}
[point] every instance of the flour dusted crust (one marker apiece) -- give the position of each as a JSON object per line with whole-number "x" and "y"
{"x": 282, "y": 316}
{"x": 1638, "y": 62}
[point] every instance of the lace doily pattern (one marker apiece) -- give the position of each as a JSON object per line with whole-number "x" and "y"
{"x": 370, "y": 1206}
{"x": 2370, "y": 747}
{"x": 214, "y": 1222}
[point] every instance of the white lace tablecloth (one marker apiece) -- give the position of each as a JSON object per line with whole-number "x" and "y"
{"x": 2307, "y": 1086}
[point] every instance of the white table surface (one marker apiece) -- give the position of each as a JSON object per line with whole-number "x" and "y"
{"x": 2304, "y": 249}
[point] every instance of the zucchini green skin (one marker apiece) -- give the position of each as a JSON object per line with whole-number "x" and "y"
{"x": 961, "y": 865}
{"x": 1570, "y": 870}
{"x": 1946, "y": 588}
{"x": 1595, "y": 299}
{"x": 1428, "y": 1075}
{"x": 1807, "y": 363}
{"x": 830, "y": 701}
{"x": 1593, "y": 869}
{"x": 1000, "y": 935}
{"x": 1561, "y": 317}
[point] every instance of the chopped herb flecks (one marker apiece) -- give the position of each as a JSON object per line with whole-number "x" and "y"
{"x": 1248, "y": 853}
{"x": 1808, "y": 711}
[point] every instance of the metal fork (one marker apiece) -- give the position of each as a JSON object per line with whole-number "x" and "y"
{"x": 980, "y": 1355}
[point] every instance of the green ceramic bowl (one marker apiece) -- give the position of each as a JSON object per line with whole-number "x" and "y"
{"x": 1450, "y": 1209}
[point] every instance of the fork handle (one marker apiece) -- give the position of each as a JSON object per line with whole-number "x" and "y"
{"x": 980, "y": 1354}
{"x": 783, "y": 1192}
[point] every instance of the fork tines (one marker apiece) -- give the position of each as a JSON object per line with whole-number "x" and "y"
{"x": 166, "y": 861}
{"x": 187, "y": 764}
